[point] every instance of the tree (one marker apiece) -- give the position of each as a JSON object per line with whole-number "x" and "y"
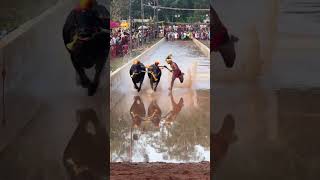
{"x": 120, "y": 9}
{"x": 185, "y": 16}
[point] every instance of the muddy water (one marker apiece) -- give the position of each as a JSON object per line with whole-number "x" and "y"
{"x": 261, "y": 133}
{"x": 267, "y": 128}
{"x": 173, "y": 127}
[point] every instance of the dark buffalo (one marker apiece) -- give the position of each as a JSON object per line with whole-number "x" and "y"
{"x": 137, "y": 111}
{"x": 154, "y": 113}
{"x": 86, "y": 38}
{"x": 137, "y": 73}
{"x": 154, "y": 74}
{"x": 85, "y": 156}
{"x": 222, "y": 140}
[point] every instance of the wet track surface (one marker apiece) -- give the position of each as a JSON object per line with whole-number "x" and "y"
{"x": 50, "y": 121}
{"x": 261, "y": 133}
{"x": 262, "y": 129}
{"x": 62, "y": 132}
{"x": 173, "y": 127}
{"x": 267, "y": 128}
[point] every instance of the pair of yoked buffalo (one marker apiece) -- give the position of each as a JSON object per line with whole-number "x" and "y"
{"x": 138, "y": 71}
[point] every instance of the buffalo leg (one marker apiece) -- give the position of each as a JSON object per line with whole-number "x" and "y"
{"x": 139, "y": 89}
{"x": 151, "y": 84}
{"x": 96, "y": 81}
{"x": 156, "y": 85}
{"x": 84, "y": 80}
{"x": 135, "y": 84}
{"x": 141, "y": 81}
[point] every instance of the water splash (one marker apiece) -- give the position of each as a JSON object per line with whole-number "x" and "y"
{"x": 255, "y": 23}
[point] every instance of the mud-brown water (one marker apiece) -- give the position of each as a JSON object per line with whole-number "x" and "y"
{"x": 266, "y": 126}
{"x": 180, "y": 133}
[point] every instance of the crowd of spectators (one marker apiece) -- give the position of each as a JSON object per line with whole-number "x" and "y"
{"x": 120, "y": 40}
{"x": 185, "y": 32}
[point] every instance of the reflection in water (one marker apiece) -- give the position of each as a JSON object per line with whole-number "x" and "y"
{"x": 176, "y": 109}
{"x": 220, "y": 141}
{"x": 154, "y": 113}
{"x": 279, "y": 115}
{"x": 85, "y": 157}
{"x": 174, "y": 129}
{"x": 137, "y": 111}
{"x": 155, "y": 127}
{"x": 278, "y": 130}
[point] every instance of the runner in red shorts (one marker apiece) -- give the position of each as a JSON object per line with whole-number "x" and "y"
{"x": 176, "y": 72}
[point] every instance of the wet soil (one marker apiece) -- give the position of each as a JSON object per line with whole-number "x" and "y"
{"x": 160, "y": 171}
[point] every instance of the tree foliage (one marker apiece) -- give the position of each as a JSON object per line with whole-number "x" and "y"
{"x": 120, "y": 9}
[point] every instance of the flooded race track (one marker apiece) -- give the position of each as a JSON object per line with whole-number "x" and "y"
{"x": 267, "y": 127}
{"x": 172, "y": 127}
{"x": 261, "y": 133}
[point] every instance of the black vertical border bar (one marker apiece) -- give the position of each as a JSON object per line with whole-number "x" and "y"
{"x": 107, "y": 95}
{"x": 211, "y": 93}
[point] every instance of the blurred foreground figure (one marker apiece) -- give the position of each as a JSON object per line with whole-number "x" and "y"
{"x": 85, "y": 157}
{"x": 86, "y": 36}
{"x": 221, "y": 140}
{"x": 221, "y": 41}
